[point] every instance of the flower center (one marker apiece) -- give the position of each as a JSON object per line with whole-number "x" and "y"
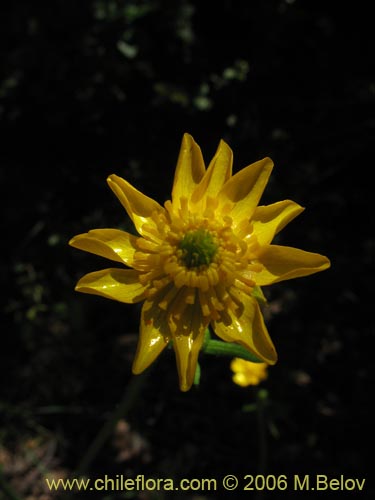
{"x": 197, "y": 248}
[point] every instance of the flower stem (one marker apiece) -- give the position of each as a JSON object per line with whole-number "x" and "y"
{"x": 220, "y": 348}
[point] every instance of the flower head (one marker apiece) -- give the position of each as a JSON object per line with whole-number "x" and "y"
{"x": 247, "y": 373}
{"x": 198, "y": 259}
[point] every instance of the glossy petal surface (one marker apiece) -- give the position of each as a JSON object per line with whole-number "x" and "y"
{"x": 284, "y": 263}
{"x": 154, "y": 336}
{"x": 112, "y": 244}
{"x": 270, "y": 219}
{"x": 139, "y": 206}
{"x": 246, "y": 327}
{"x": 188, "y": 335}
{"x": 245, "y": 188}
{"x": 217, "y": 174}
{"x": 117, "y": 284}
{"x": 189, "y": 171}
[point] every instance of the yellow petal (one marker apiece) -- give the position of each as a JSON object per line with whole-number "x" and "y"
{"x": 217, "y": 174}
{"x": 187, "y": 349}
{"x": 188, "y": 335}
{"x": 139, "y": 206}
{"x": 248, "y": 373}
{"x": 153, "y": 336}
{"x": 189, "y": 171}
{"x": 269, "y": 220}
{"x": 245, "y": 188}
{"x": 246, "y": 327}
{"x": 116, "y": 284}
{"x": 112, "y": 244}
{"x": 284, "y": 263}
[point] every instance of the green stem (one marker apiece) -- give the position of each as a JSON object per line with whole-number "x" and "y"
{"x": 220, "y": 348}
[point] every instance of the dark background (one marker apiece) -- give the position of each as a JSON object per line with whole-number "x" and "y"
{"x": 98, "y": 87}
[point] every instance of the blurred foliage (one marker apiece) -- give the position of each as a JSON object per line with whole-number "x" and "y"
{"x": 98, "y": 87}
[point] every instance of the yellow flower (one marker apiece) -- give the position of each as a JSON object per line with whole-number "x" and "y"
{"x": 248, "y": 373}
{"x": 198, "y": 258}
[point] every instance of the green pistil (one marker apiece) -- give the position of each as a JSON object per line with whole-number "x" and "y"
{"x": 198, "y": 248}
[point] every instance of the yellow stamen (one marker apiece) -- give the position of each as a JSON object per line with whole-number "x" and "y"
{"x": 204, "y": 303}
{"x": 168, "y": 297}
